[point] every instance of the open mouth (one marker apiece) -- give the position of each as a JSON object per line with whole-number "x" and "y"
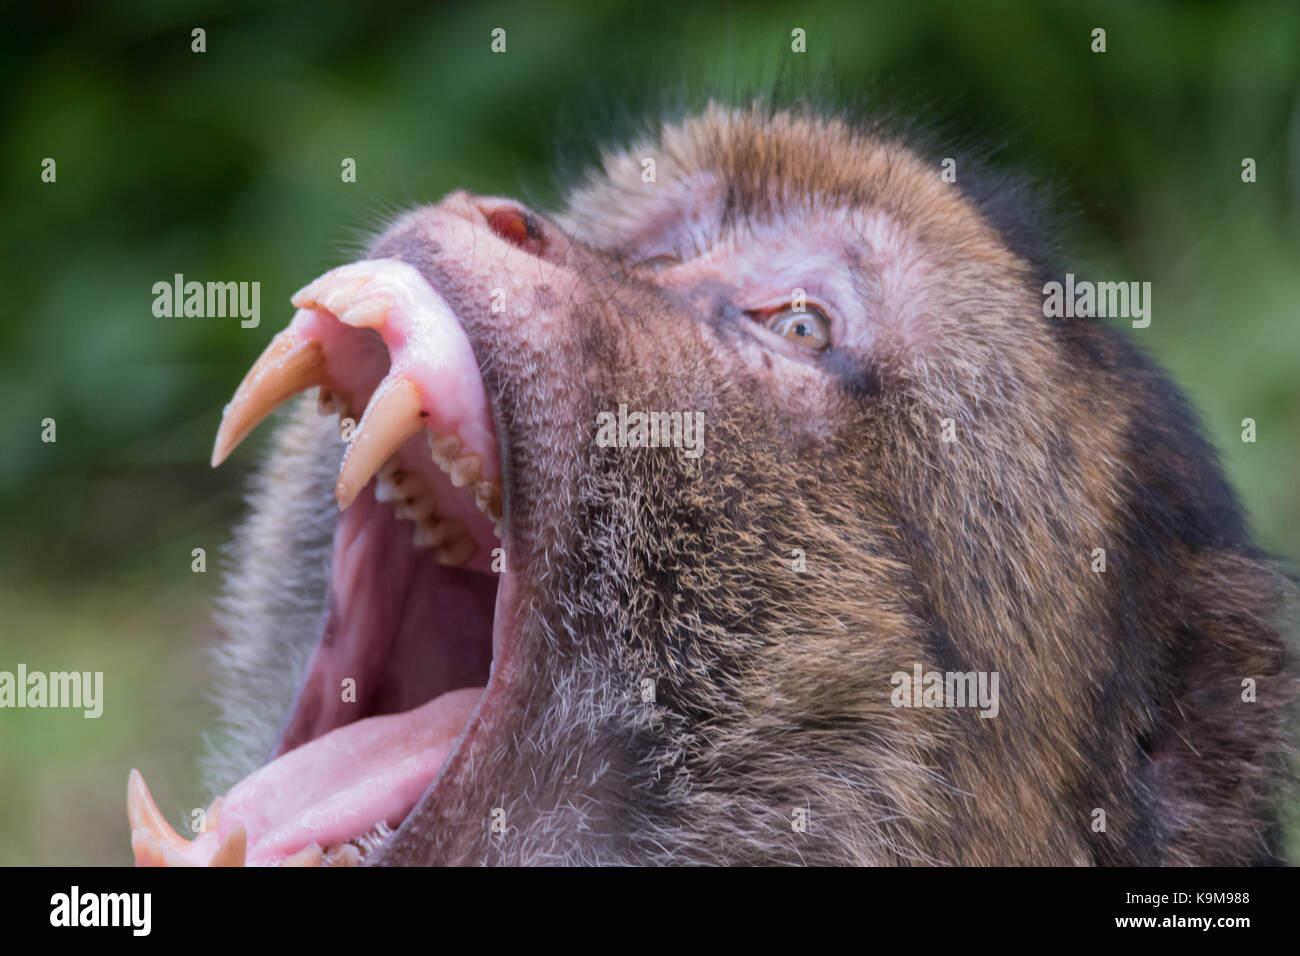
{"x": 414, "y": 623}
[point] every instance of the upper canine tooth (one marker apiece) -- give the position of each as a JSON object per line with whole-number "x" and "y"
{"x": 444, "y": 449}
{"x": 392, "y": 417}
{"x": 291, "y": 363}
{"x": 464, "y": 470}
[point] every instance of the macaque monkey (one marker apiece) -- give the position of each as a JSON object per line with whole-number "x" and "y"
{"x": 754, "y": 514}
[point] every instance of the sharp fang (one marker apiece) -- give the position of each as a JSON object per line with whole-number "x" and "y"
{"x": 145, "y": 849}
{"x": 457, "y": 553}
{"x": 146, "y": 818}
{"x": 465, "y": 470}
{"x": 290, "y": 364}
{"x": 231, "y": 851}
{"x": 310, "y": 855}
{"x": 392, "y": 417}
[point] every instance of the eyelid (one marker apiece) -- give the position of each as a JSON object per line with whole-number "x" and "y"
{"x": 660, "y": 260}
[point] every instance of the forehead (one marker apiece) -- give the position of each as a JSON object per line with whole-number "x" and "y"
{"x": 724, "y": 171}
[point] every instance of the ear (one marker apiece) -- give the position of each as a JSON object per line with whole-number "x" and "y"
{"x": 1213, "y": 758}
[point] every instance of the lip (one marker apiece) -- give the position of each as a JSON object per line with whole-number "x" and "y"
{"x": 405, "y": 627}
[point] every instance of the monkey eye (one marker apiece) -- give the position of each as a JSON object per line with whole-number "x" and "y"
{"x": 809, "y": 328}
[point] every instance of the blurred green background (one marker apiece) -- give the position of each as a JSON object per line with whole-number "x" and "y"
{"x": 225, "y": 166}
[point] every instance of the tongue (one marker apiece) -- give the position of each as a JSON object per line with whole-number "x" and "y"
{"x": 340, "y": 786}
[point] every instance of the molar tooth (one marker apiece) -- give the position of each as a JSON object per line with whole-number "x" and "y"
{"x": 415, "y": 507}
{"x": 487, "y": 497}
{"x": 392, "y": 417}
{"x": 437, "y": 532}
{"x": 292, "y": 363}
{"x": 457, "y": 553}
{"x": 444, "y": 448}
{"x": 465, "y": 470}
{"x": 386, "y": 490}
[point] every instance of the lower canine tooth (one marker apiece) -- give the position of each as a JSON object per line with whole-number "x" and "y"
{"x": 231, "y": 852}
{"x": 145, "y": 816}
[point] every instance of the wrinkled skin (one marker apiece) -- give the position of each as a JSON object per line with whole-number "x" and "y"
{"x": 1120, "y": 691}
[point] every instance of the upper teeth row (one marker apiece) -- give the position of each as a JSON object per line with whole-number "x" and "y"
{"x": 414, "y": 501}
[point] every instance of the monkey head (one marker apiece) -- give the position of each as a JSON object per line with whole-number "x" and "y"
{"x": 644, "y": 507}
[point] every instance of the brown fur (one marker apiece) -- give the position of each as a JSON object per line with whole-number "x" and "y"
{"x": 1120, "y": 691}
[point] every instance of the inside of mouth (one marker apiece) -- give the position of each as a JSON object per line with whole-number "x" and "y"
{"x": 402, "y": 660}
{"x": 405, "y": 649}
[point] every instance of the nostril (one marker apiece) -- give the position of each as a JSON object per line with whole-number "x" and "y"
{"x": 517, "y": 226}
